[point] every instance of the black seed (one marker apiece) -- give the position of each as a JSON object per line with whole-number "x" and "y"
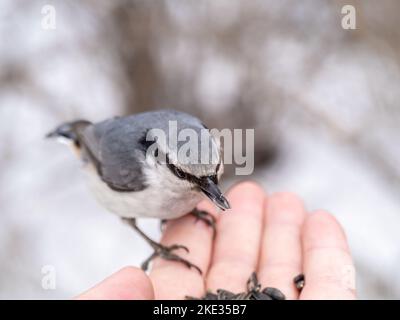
{"x": 261, "y": 296}
{"x": 242, "y": 296}
{"x": 193, "y": 298}
{"x": 253, "y": 293}
{"x": 299, "y": 281}
{"x": 210, "y": 296}
{"x": 252, "y": 284}
{"x": 225, "y": 294}
{"x": 274, "y": 293}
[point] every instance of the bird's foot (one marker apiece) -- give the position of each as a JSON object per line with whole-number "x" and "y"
{"x": 206, "y": 217}
{"x": 166, "y": 253}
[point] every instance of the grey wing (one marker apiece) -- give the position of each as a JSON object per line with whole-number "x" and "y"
{"x": 117, "y": 154}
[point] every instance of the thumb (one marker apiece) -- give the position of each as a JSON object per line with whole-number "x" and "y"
{"x": 128, "y": 283}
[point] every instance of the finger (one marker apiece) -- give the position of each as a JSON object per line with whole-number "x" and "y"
{"x": 128, "y": 283}
{"x": 281, "y": 253}
{"x": 328, "y": 267}
{"x": 238, "y": 239}
{"x": 173, "y": 280}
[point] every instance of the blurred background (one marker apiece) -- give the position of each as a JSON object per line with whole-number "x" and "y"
{"x": 323, "y": 101}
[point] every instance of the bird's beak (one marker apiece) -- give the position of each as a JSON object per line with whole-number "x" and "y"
{"x": 211, "y": 190}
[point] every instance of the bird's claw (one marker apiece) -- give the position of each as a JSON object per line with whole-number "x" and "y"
{"x": 206, "y": 217}
{"x": 165, "y": 252}
{"x": 174, "y": 247}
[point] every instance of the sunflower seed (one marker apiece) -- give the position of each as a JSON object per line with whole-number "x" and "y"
{"x": 274, "y": 293}
{"x": 299, "y": 281}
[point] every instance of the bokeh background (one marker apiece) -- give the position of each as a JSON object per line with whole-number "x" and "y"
{"x": 324, "y": 102}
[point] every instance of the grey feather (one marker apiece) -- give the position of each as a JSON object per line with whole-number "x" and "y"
{"x": 116, "y": 153}
{"x": 117, "y": 148}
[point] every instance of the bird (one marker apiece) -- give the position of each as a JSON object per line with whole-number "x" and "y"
{"x": 135, "y": 172}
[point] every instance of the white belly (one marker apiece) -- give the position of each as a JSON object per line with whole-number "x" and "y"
{"x": 157, "y": 201}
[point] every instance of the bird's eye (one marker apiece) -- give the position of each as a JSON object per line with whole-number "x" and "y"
{"x": 179, "y": 173}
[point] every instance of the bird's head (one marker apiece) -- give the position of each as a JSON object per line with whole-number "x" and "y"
{"x": 195, "y": 161}
{"x": 207, "y": 183}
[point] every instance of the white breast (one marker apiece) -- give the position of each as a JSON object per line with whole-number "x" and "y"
{"x": 166, "y": 197}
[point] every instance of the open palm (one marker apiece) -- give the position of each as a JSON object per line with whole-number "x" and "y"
{"x": 272, "y": 235}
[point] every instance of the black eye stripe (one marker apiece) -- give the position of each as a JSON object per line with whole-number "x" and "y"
{"x": 189, "y": 177}
{"x": 179, "y": 172}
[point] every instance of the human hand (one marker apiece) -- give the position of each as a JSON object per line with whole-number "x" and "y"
{"x": 273, "y": 235}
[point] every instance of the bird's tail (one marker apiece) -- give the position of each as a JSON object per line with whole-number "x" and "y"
{"x": 69, "y": 130}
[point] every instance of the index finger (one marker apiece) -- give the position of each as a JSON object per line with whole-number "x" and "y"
{"x": 173, "y": 280}
{"x": 237, "y": 241}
